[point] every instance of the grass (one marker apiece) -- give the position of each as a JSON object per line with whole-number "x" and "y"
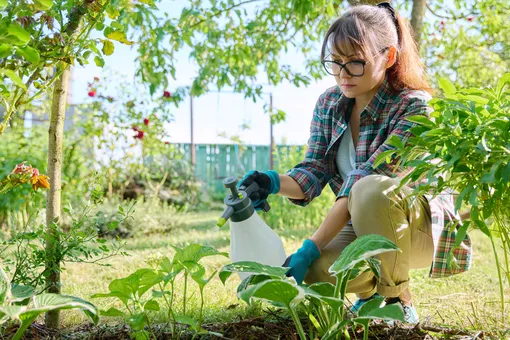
{"x": 466, "y": 301}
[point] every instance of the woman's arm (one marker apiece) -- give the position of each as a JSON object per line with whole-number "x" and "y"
{"x": 334, "y": 222}
{"x": 290, "y": 188}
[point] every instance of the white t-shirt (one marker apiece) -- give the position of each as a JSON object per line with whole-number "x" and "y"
{"x": 346, "y": 155}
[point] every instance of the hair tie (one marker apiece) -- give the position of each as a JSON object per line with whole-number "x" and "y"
{"x": 387, "y": 6}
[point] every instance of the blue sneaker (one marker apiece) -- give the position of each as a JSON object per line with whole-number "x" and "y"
{"x": 360, "y": 302}
{"x": 410, "y": 313}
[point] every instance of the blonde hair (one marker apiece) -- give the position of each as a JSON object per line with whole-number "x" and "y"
{"x": 366, "y": 30}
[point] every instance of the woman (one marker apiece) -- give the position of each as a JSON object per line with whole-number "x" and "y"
{"x": 381, "y": 82}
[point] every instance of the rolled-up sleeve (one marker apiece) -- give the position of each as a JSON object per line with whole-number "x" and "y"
{"x": 415, "y": 105}
{"x": 311, "y": 174}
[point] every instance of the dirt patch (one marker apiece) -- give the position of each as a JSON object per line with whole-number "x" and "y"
{"x": 260, "y": 328}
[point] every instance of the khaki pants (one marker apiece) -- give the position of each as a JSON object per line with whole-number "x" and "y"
{"x": 376, "y": 209}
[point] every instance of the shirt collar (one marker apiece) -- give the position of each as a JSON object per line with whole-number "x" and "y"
{"x": 376, "y": 104}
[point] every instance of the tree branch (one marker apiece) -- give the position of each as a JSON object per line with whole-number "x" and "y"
{"x": 223, "y": 11}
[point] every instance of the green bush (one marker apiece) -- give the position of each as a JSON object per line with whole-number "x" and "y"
{"x": 283, "y": 213}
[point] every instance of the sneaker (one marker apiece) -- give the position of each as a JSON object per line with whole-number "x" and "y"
{"x": 360, "y": 302}
{"x": 410, "y": 313}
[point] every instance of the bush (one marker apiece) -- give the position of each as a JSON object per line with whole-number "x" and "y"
{"x": 283, "y": 213}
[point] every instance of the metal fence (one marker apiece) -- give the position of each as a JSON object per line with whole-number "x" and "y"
{"x": 214, "y": 162}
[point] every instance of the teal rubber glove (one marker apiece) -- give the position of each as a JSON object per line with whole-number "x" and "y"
{"x": 301, "y": 260}
{"x": 268, "y": 182}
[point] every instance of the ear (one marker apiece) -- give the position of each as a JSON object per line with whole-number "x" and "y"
{"x": 392, "y": 56}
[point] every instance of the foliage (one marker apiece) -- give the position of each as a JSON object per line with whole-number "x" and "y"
{"x": 467, "y": 41}
{"x": 131, "y": 291}
{"x": 24, "y": 255}
{"x": 283, "y": 213}
{"x": 38, "y": 37}
{"x": 23, "y": 304}
{"x": 322, "y": 302}
{"x": 466, "y": 148}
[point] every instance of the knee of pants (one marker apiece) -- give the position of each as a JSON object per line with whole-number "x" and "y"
{"x": 370, "y": 192}
{"x": 319, "y": 271}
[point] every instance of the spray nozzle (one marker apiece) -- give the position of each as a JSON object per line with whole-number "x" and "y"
{"x": 225, "y": 216}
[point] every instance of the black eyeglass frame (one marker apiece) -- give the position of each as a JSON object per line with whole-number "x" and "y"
{"x": 343, "y": 66}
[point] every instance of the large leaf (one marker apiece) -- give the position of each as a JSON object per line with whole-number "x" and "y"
{"x": 388, "y": 312}
{"x": 253, "y": 268}
{"x": 447, "y": 86}
{"x": 19, "y": 32}
{"x": 4, "y": 287}
{"x": 278, "y": 292}
{"x": 361, "y": 249}
{"x": 3, "y": 4}
{"x": 20, "y": 293}
{"x": 50, "y": 301}
{"x": 29, "y": 53}
{"x": 112, "y": 312}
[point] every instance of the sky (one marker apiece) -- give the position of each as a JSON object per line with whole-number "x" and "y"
{"x": 217, "y": 113}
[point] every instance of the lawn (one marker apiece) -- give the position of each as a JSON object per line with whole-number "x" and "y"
{"x": 467, "y": 301}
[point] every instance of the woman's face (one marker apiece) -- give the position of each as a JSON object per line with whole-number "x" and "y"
{"x": 374, "y": 72}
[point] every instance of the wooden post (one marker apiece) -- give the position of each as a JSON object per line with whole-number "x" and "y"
{"x": 271, "y": 142}
{"x": 192, "y": 146}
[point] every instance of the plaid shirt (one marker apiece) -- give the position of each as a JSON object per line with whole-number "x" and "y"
{"x": 385, "y": 116}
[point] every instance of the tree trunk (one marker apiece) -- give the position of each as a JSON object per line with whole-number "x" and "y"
{"x": 417, "y": 15}
{"x": 55, "y": 161}
{"x": 55, "y": 140}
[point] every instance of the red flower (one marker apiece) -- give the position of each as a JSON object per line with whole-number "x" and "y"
{"x": 92, "y": 93}
{"x": 471, "y": 18}
{"x": 135, "y": 128}
{"x": 167, "y": 143}
{"x": 146, "y": 121}
{"x": 167, "y": 94}
{"x": 139, "y": 135}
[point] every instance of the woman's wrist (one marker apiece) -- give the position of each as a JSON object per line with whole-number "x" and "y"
{"x": 334, "y": 222}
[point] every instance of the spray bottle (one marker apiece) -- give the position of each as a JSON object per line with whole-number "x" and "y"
{"x": 251, "y": 239}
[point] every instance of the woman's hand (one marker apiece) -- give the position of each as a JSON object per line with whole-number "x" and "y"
{"x": 301, "y": 260}
{"x": 268, "y": 182}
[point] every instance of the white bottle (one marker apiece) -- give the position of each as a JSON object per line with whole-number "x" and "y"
{"x": 251, "y": 239}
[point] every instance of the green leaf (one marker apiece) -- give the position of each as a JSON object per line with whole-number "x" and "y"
{"x": 5, "y": 50}
{"x": 388, "y": 312}
{"x": 13, "y": 76}
{"x": 112, "y": 312}
{"x": 422, "y": 120}
{"x": 20, "y": 293}
{"x": 44, "y": 4}
{"x": 47, "y": 301}
{"x": 447, "y": 86}
{"x": 99, "y": 61}
{"x": 3, "y": 4}
{"x": 361, "y": 249}
{"x": 138, "y": 321}
{"x": 29, "y": 53}
{"x": 184, "y": 319}
{"x": 120, "y": 37}
{"x": 253, "y": 268}
{"x": 384, "y": 156}
{"x": 370, "y": 305}
{"x": 194, "y": 253}
{"x": 108, "y": 47}
{"x": 278, "y": 292}
{"x": 395, "y": 141}
{"x": 19, "y": 32}
{"x": 375, "y": 266}
{"x": 151, "y": 305}
{"x": 4, "y": 287}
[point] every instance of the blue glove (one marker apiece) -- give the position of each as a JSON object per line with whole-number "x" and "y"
{"x": 301, "y": 260}
{"x": 268, "y": 182}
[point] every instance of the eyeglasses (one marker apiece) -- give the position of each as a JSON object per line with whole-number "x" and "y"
{"x": 355, "y": 68}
